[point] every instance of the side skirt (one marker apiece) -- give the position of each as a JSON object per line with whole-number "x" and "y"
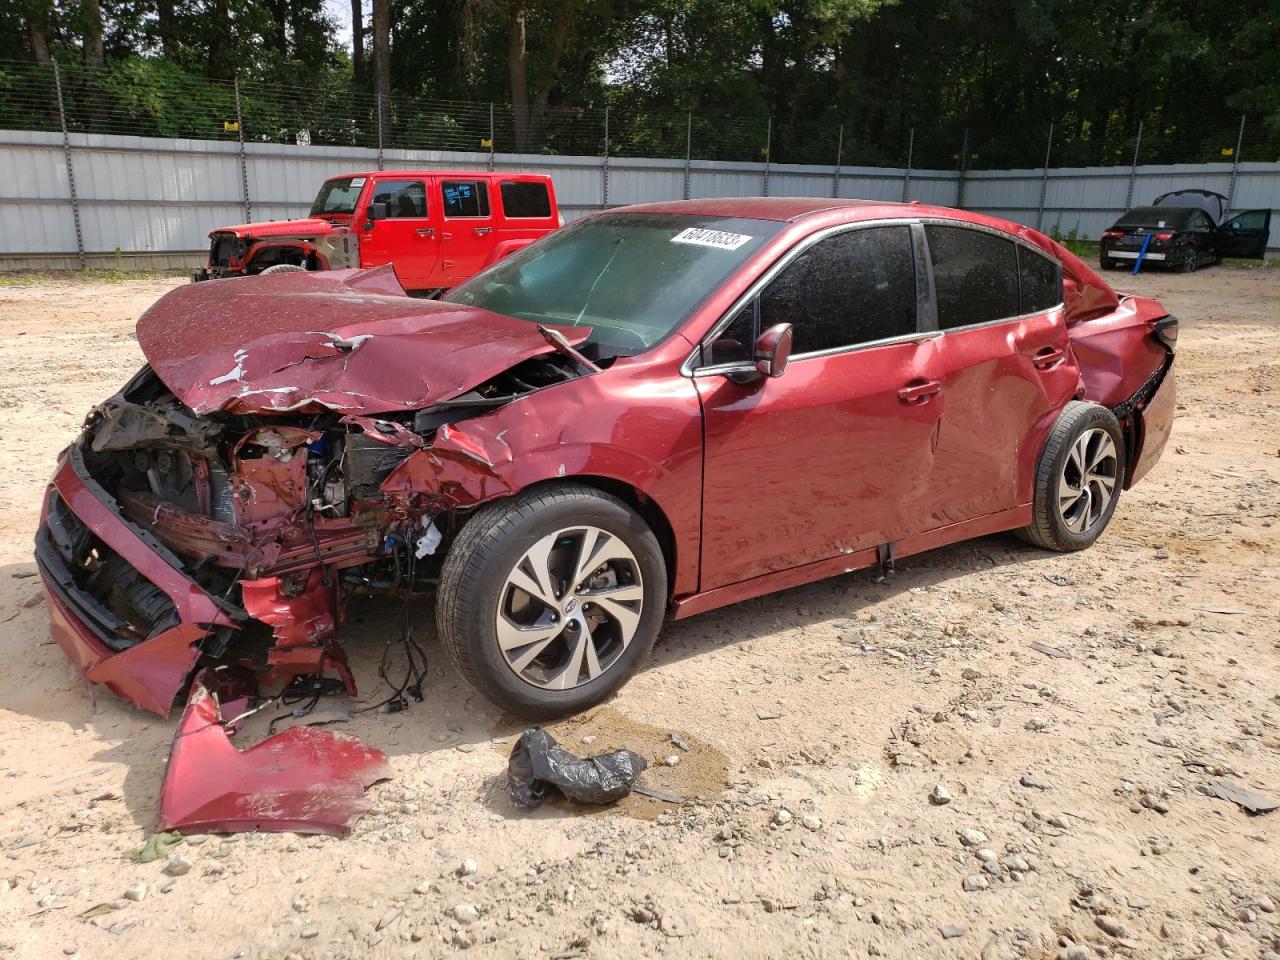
{"x": 696, "y": 603}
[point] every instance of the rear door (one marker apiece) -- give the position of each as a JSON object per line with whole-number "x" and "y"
{"x": 407, "y": 237}
{"x": 1006, "y": 368}
{"x": 1244, "y": 236}
{"x": 467, "y": 227}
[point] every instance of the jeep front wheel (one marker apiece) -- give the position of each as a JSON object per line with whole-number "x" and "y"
{"x": 283, "y": 268}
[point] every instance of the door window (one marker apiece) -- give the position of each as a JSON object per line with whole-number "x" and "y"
{"x": 975, "y": 276}
{"x": 465, "y": 198}
{"x": 1040, "y": 282}
{"x": 851, "y": 288}
{"x": 1252, "y": 220}
{"x": 405, "y": 199}
{"x": 524, "y": 198}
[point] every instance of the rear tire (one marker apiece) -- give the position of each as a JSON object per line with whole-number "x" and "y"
{"x": 1108, "y": 264}
{"x": 283, "y": 268}
{"x": 1078, "y": 479}
{"x": 1190, "y": 260}
{"x": 528, "y": 655}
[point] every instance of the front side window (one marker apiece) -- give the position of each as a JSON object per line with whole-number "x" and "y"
{"x": 851, "y": 288}
{"x": 465, "y": 198}
{"x": 405, "y": 199}
{"x": 975, "y": 276}
{"x": 1040, "y": 282}
{"x": 525, "y": 198}
{"x": 1253, "y": 220}
{"x": 631, "y": 278}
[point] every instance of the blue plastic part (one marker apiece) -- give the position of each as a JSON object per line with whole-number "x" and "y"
{"x": 1146, "y": 242}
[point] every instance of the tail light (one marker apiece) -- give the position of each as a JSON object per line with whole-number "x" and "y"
{"x": 1165, "y": 235}
{"x": 1113, "y": 234}
{"x": 1166, "y": 331}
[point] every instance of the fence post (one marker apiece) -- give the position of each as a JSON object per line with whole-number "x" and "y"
{"x": 768, "y": 147}
{"x": 906, "y": 176}
{"x": 244, "y": 163}
{"x": 604, "y": 165}
{"x": 1044, "y": 177}
{"x": 1235, "y": 165}
{"x": 835, "y": 179}
{"x": 688, "y": 151}
{"x": 66, "y": 154}
{"x": 490, "y": 134}
{"x": 378, "y": 101}
{"x": 964, "y": 164}
{"x": 1133, "y": 169}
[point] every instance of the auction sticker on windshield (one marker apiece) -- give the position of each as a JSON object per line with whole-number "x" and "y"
{"x": 702, "y": 237}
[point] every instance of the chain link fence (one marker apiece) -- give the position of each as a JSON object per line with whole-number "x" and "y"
{"x": 153, "y": 99}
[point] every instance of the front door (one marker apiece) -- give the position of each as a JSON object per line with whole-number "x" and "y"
{"x": 1245, "y": 235}
{"x": 832, "y": 456}
{"x": 467, "y": 238}
{"x": 407, "y": 238}
{"x": 1006, "y": 366}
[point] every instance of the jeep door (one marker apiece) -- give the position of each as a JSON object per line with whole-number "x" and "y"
{"x": 1007, "y": 368}
{"x": 835, "y": 454}
{"x": 467, "y": 227}
{"x": 407, "y": 237}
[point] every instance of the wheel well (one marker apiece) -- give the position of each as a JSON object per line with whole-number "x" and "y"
{"x": 642, "y": 505}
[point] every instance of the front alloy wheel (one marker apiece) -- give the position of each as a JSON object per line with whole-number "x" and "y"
{"x": 569, "y": 608}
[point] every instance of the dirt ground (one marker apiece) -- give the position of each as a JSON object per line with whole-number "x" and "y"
{"x": 1075, "y": 827}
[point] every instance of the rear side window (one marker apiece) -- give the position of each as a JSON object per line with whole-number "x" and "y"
{"x": 521, "y": 198}
{"x": 851, "y": 288}
{"x": 465, "y": 198}
{"x": 975, "y": 276}
{"x": 1041, "y": 282}
{"x": 405, "y": 199}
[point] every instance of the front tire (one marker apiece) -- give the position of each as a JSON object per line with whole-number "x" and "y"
{"x": 549, "y": 599}
{"x": 283, "y": 268}
{"x": 1078, "y": 479}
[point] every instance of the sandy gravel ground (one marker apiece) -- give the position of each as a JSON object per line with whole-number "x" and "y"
{"x": 1074, "y": 829}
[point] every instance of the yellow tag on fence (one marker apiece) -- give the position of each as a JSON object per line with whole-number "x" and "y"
{"x": 230, "y": 126}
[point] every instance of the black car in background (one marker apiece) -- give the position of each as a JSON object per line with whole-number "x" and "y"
{"x": 1187, "y": 229}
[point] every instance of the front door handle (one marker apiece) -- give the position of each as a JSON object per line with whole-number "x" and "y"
{"x": 483, "y": 231}
{"x": 426, "y": 231}
{"x": 1048, "y": 358}
{"x": 919, "y": 391}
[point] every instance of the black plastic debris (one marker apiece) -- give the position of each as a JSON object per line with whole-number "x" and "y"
{"x": 538, "y": 762}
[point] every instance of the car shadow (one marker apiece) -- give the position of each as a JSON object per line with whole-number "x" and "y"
{"x": 101, "y": 731}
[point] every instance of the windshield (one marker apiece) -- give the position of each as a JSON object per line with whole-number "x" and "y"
{"x": 338, "y": 196}
{"x": 632, "y": 278}
{"x": 1172, "y": 218}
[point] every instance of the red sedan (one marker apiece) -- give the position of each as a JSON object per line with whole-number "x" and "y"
{"x": 654, "y": 412}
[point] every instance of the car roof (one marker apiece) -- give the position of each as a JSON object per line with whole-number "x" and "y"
{"x": 461, "y": 174}
{"x": 794, "y": 209}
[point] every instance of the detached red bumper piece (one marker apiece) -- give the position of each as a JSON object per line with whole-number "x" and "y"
{"x": 305, "y": 780}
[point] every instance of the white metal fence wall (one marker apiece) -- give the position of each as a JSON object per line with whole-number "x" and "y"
{"x": 99, "y": 200}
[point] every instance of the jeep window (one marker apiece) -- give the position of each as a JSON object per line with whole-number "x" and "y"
{"x": 405, "y": 199}
{"x": 631, "y": 278}
{"x": 465, "y": 198}
{"x": 338, "y": 196}
{"x": 523, "y": 198}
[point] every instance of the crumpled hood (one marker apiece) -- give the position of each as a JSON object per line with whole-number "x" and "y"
{"x": 279, "y": 228}
{"x": 347, "y": 340}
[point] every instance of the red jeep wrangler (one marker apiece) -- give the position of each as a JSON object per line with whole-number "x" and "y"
{"x": 436, "y": 228}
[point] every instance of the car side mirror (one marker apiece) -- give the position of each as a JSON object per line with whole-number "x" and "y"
{"x": 376, "y": 211}
{"x": 773, "y": 350}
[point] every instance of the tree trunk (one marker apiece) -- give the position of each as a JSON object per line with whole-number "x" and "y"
{"x": 382, "y": 57}
{"x": 166, "y": 29}
{"x": 278, "y": 35}
{"x": 357, "y": 42}
{"x": 40, "y": 46}
{"x": 94, "y": 54}
{"x": 220, "y": 65}
{"x": 517, "y": 66}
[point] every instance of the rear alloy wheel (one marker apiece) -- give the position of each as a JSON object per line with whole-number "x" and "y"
{"x": 549, "y": 599}
{"x": 1190, "y": 260}
{"x": 1078, "y": 479}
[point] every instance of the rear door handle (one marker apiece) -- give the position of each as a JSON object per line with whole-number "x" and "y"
{"x": 918, "y": 391}
{"x": 1048, "y": 358}
{"x": 483, "y": 231}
